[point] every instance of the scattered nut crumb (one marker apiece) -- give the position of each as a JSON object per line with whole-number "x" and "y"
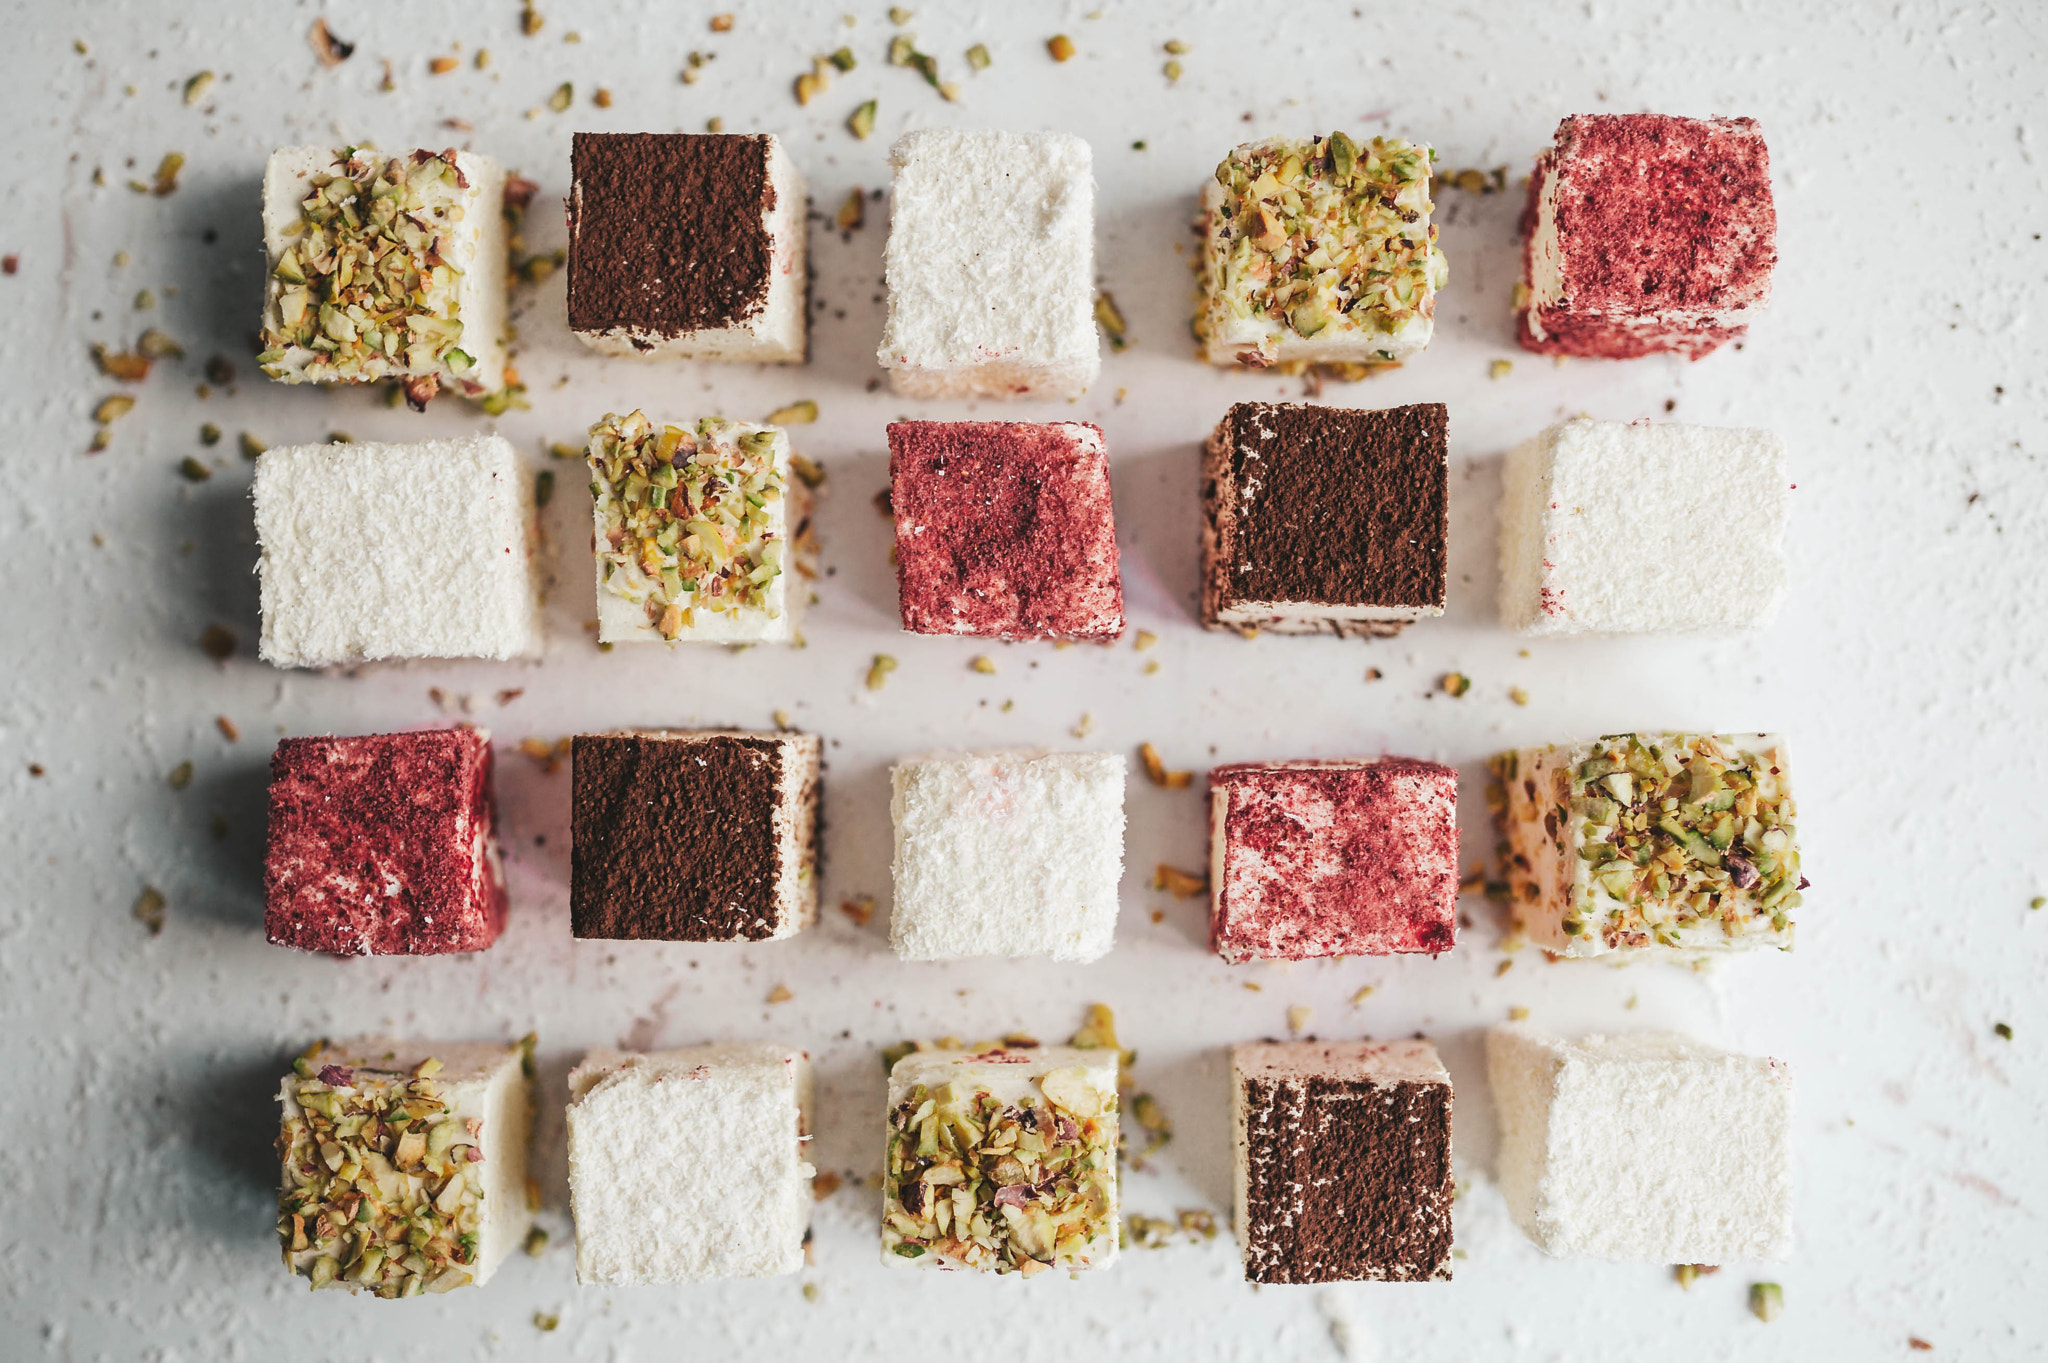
{"x": 510, "y": 694}
{"x": 780, "y": 994}
{"x": 181, "y": 776}
{"x": 824, "y": 1185}
{"x": 537, "y": 1242}
{"x": 546, "y": 1322}
{"x": 1085, "y": 726}
{"x": 149, "y": 909}
{"x": 1766, "y": 1301}
{"x": 1254, "y": 986}
{"x": 1518, "y": 695}
{"x": 251, "y": 446}
{"x": 1298, "y": 1016}
{"x": 227, "y": 728}
{"x": 1146, "y": 638}
{"x": 1517, "y": 1013}
{"x": 1500, "y": 369}
{"x": 859, "y": 908}
{"x": 1503, "y": 968}
{"x": 441, "y": 66}
{"x": 564, "y": 94}
{"x": 1362, "y": 995}
{"x": 328, "y": 49}
{"x": 853, "y": 213}
{"x": 801, "y": 413}
{"x": 1454, "y": 683}
{"x": 1181, "y": 884}
{"x": 1156, "y": 772}
{"x": 193, "y": 471}
{"x": 982, "y": 663}
{"x": 879, "y": 670}
{"x": 1918, "y": 1345}
{"x": 721, "y": 23}
{"x": 602, "y": 98}
{"x": 1060, "y": 46}
{"x": 2004, "y": 1029}
{"x": 218, "y": 642}
{"x": 1111, "y": 319}
{"x": 977, "y": 56}
{"x": 861, "y": 122}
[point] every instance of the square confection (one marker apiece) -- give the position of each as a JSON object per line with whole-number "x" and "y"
{"x": 1006, "y": 853}
{"x": 1651, "y": 1148}
{"x": 1321, "y": 520}
{"x": 1633, "y": 528}
{"x": 1646, "y": 233}
{"x": 1319, "y": 251}
{"x": 1343, "y": 1161}
{"x": 687, "y": 246}
{"x": 1666, "y": 844}
{"x": 396, "y": 551}
{"x": 710, "y": 836}
{"x": 384, "y": 844}
{"x": 1004, "y": 529}
{"x": 1332, "y": 859}
{"x": 991, "y": 266}
{"x": 404, "y": 1163}
{"x": 386, "y": 267}
{"x": 696, "y": 528}
{"x": 1002, "y": 1161}
{"x": 690, "y": 1163}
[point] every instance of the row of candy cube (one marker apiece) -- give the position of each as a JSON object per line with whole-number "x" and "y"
{"x": 1665, "y": 844}
{"x": 404, "y": 1165}
{"x": 1316, "y": 520}
{"x": 1644, "y": 233}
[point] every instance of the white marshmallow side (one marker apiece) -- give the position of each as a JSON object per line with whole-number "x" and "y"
{"x": 1008, "y": 853}
{"x": 1636, "y": 528}
{"x": 374, "y": 551}
{"x": 777, "y": 333}
{"x": 690, "y": 1164}
{"x": 479, "y": 249}
{"x": 1650, "y": 1148}
{"x": 991, "y": 266}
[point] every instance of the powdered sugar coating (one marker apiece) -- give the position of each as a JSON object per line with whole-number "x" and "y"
{"x": 991, "y": 266}
{"x": 376, "y": 551}
{"x": 689, "y": 1164}
{"x": 1004, "y": 530}
{"x": 383, "y": 844}
{"x": 1011, "y": 853}
{"x": 1651, "y": 1148}
{"x": 1332, "y": 858}
{"x": 1646, "y": 233}
{"x": 1609, "y": 527}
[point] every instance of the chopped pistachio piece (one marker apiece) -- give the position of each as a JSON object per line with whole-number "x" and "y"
{"x": 1111, "y": 319}
{"x": 879, "y": 670}
{"x": 1060, "y": 47}
{"x": 861, "y": 122}
{"x": 1455, "y": 683}
{"x": 1181, "y": 884}
{"x": 690, "y": 517}
{"x": 563, "y": 97}
{"x": 149, "y": 909}
{"x": 977, "y": 56}
{"x": 193, "y": 471}
{"x": 1766, "y": 1301}
{"x": 801, "y": 413}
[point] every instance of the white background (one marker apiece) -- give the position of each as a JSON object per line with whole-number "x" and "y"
{"x": 1899, "y": 358}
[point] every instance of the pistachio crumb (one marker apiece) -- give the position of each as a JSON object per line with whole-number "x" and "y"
{"x": 1156, "y": 772}
{"x": 2004, "y": 1029}
{"x": 858, "y": 908}
{"x": 861, "y": 122}
{"x": 441, "y": 66}
{"x": 145, "y": 300}
{"x": 1172, "y": 71}
{"x": 546, "y": 1322}
{"x": 984, "y": 664}
{"x": 1085, "y": 726}
{"x": 879, "y": 670}
{"x": 714, "y": 125}
{"x": 898, "y": 15}
{"x": 564, "y": 94}
{"x": 1176, "y": 48}
{"x": 721, "y": 23}
{"x": 217, "y": 642}
{"x": 1111, "y": 319}
{"x": 1298, "y": 1016}
{"x": 801, "y": 413}
{"x": 192, "y": 471}
{"x": 227, "y": 728}
{"x": 1766, "y": 1301}
{"x": 1060, "y": 46}
{"x": 1254, "y": 986}
{"x": 113, "y": 408}
{"x": 1146, "y": 638}
{"x": 1362, "y": 995}
{"x": 853, "y": 213}
{"x": 1503, "y": 968}
{"x": 2038, "y": 901}
{"x": 1454, "y": 683}
{"x": 977, "y": 56}
{"x": 810, "y": 1291}
{"x": 483, "y": 59}
{"x": 1518, "y": 695}
{"x": 824, "y": 1185}
{"x": 780, "y": 994}
{"x": 149, "y": 909}
{"x": 1500, "y": 369}
{"x": 328, "y": 50}
{"x": 603, "y": 98}
{"x": 1517, "y": 1013}
{"x": 537, "y": 1242}
{"x": 251, "y": 446}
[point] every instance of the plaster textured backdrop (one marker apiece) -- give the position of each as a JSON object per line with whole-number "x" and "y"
{"x": 1900, "y": 358}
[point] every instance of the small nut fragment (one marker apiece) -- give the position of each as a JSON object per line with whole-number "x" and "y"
{"x": 1298, "y": 1016}
{"x": 853, "y": 213}
{"x": 1156, "y": 772}
{"x": 801, "y": 413}
{"x": 1073, "y": 1088}
{"x": 149, "y": 909}
{"x": 1181, "y": 884}
{"x": 859, "y": 908}
{"x": 1060, "y": 47}
{"x": 328, "y": 49}
{"x": 1454, "y": 683}
{"x": 441, "y": 66}
{"x": 564, "y": 95}
{"x": 197, "y": 87}
{"x": 193, "y": 471}
{"x": 977, "y": 57}
{"x": 780, "y": 994}
{"x": 1766, "y": 1301}
{"x": 982, "y": 663}
{"x": 861, "y": 122}
{"x": 218, "y": 642}
{"x": 879, "y": 670}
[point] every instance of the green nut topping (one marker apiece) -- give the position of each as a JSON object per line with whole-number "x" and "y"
{"x": 382, "y": 1189}
{"x": 691, "y": 518}
{"x": 1322, "y": 233}
{"x": 365, "y": 288}
{"x": 1002, "y": 1187}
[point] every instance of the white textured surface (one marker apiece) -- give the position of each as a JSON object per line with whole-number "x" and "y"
{"x": 689, "y": 1163}
{"x": 477, "y": 1080}
{"x": 1006, "y": 854}
{"x": 375, "y": 551}
{"x": 142, "y": 1071}
{"x": 477, "y": 246}
{"x": 991, "y": 266}
{"x": 1645, "y": 1148}
{"x": 777, "y": 333}
{"x": 1610, "y": 527}
{"x": 1008, "y": 1081}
